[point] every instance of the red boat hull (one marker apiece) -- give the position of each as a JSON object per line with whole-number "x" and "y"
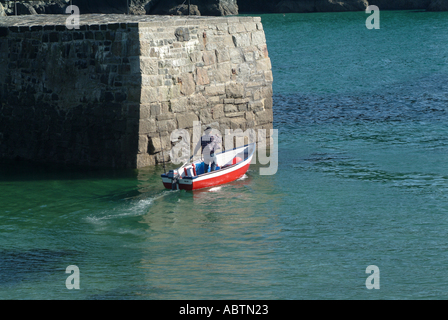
{"x": 216, "y": 181}
{"x": 234, "y": 167}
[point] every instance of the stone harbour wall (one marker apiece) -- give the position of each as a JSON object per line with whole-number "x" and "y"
{"x": 97, "y": 96}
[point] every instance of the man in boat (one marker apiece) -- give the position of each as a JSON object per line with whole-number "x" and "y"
{"x": 209, "y": 143}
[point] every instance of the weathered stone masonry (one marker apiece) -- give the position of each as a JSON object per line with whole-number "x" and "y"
{"x": 96, "y": 96}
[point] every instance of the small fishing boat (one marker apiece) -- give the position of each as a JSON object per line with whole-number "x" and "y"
{"x": 231, "y": 165}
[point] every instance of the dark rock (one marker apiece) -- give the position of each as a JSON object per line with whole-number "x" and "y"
{"x": 2, "y": 11}
{"x": 182, "y": 34}
{"x": 333, "y": 6}
{"x": 182, "y": 10}
{"x": 438, "y": 5}
{"x": 285, "y": 6}
{"x": 136, "y": 7}
{"x": 36, "y": 7}
{"x": 400, "y": 4}
{"x": 198, "y": 7}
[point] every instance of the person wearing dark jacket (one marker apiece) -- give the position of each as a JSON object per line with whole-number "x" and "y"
{"x": 209, "y": 144}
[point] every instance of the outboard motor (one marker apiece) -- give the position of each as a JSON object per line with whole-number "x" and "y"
{"x": 174, "y": 175}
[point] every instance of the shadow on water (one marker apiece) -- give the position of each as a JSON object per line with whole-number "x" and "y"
{"x": 72, "y": 184}
{"x": 31, "y": 265}
{"x": 23, "y": 170}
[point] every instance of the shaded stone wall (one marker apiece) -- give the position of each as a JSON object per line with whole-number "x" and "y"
{"x": 96, "y": 96}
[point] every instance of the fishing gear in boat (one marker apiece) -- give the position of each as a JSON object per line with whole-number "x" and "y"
{"x": 173, "y": 174}
{"x": 161, "y": 146}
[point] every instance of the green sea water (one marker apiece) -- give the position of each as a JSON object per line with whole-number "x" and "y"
{"x": 362, "y": 180}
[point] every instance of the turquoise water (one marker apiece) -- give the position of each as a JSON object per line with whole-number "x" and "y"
{"x": 362, "y": 180}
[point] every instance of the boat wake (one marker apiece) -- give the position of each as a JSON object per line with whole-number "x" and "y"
{"x": 131, "y": 208}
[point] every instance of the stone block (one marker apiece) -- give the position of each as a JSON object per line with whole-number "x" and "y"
{"x": 167, "y": 125}
{"x": 163, "y": 156}
{"x": 145, "y": 111}
{"x": 234, "y": 90}
{"x": 267, "y": 91}
{"x": 215, "y": 90}
{"x": 242, "y": 107}
{"x": 166, "y": 116}
{"x": 264, "y": 65}
{"x": 197, "y": 101}
{"x": 149, "y": 66}
{"x": 145, "y": 160}
{"x": 155, "y": 108}
{"x": 264, "y": 116}
{"x": 235, "y": 114}
{"x": 156, "y": 142}
{"x": 209, "y": 58}
{"x": 241, "y": 40}
{"x": 250, "y": 26}
{"x": 187, "y": 85}
{"x": 222, "y": 54}
{"x": 258, "y": 38}
{"x": 254, "y": 84}
{"x": 182, "y": 34}
{"x": 222, "y": 73}
{"x": 230, "y": 108}
{"x": 249, "y": 116}
{"x": 218, "y": 111}
{"x": 240, "y": 28}
{"x": 255, "y": 106}
{"x": 196, "y": 57}
{"x": 268, "y": 76}
{"x": 238, "y": 123}
{"x": 242, "y": 101}
{"x": 213, "y": 100}
{"x": 205, "y": 116}
{"x": 268, "y": 103}
{"x": 135, "y": 94}
{"x": 142, "y": 143}
{"x": 236, "y": 55}
{"x": 202, "y": 76}
{"x": 185, "y": 120}
{"x": 146, "y": 126}
{"x": 232, "y": 29}
{"x": 179, "y": 105}
{"x": 152, "y": 80}
{"x": 149, "y": 94}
